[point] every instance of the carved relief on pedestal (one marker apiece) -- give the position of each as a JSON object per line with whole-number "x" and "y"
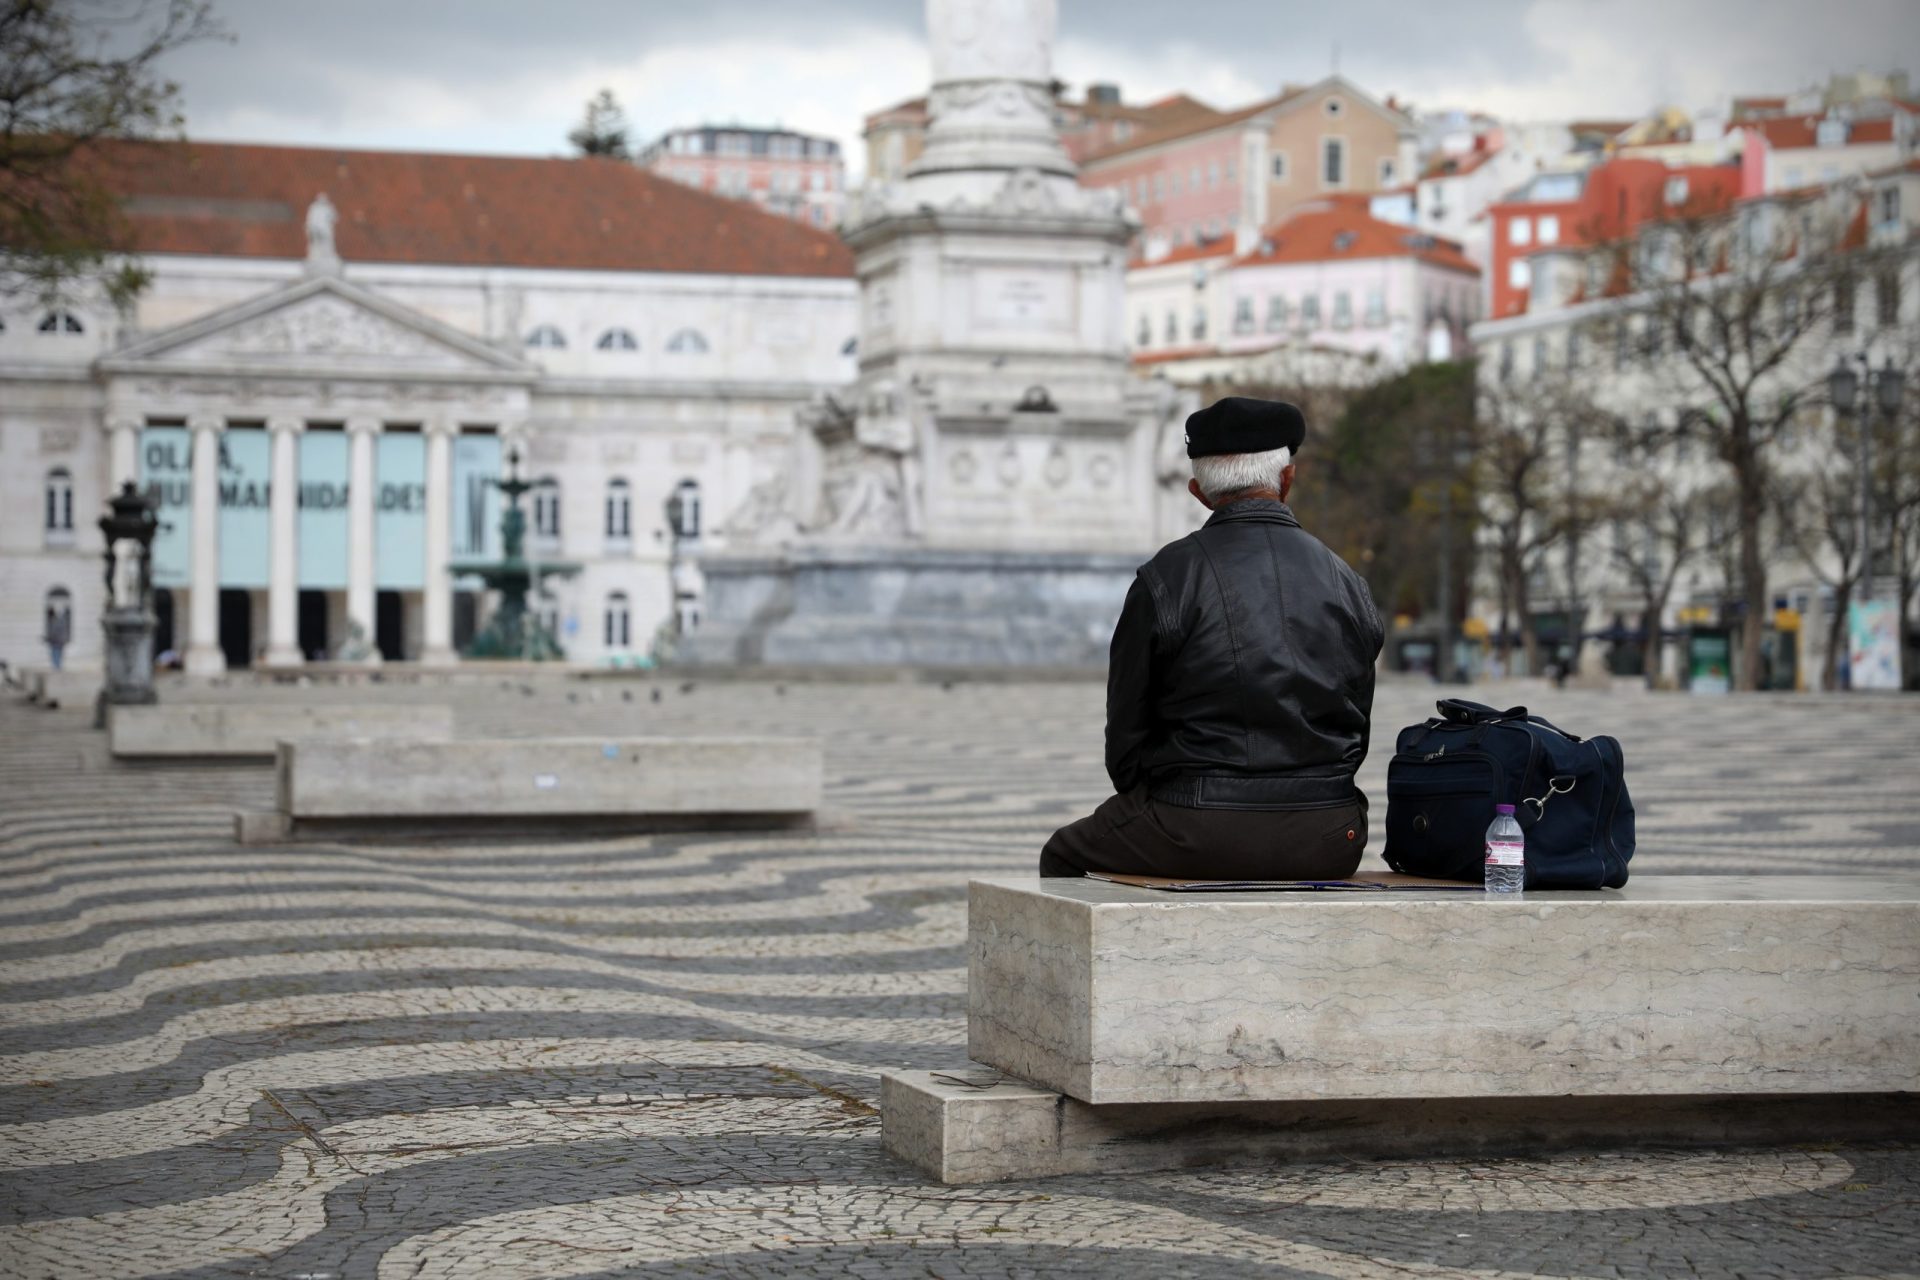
{"x": 1058, "y": 470}
{"x": 1008, "y": 468}
{"x": 1101, "y": 469}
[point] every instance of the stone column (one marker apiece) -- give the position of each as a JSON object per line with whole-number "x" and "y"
{"x": 360, "y": 481}
{"x": 204, "y": 655}
{"x": 437, "y": 599}
{"x": 283, "y": 579}
{"x": 123, "y": 451}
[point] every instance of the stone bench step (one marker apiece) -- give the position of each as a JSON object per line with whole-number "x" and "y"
{"x": 224, "y": 731}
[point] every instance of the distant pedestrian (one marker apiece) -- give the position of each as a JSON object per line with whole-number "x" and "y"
{"x": 59, "y": 630}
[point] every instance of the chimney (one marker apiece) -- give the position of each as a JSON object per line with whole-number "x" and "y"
{"x": 1103, "y": 93}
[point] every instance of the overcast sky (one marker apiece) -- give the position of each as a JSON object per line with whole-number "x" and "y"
{"x": 512, "y": 75}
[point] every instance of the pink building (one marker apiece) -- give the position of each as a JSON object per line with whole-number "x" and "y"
{"x": 793, "y": 174}
{"x": 1206, "y": 174}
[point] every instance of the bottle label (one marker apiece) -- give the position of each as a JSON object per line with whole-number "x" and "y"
{"x": 1506, "y": 853}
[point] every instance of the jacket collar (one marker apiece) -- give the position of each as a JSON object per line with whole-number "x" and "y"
{"x": 1265, "y": 510}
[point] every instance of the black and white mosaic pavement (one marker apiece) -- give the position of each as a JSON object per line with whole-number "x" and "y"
{"x": 657, "y": 1056}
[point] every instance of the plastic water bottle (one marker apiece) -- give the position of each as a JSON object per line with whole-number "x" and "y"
{"x": 1506, "y": 853}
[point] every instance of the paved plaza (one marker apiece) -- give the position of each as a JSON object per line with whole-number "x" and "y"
{"x": 659, "y": 1056}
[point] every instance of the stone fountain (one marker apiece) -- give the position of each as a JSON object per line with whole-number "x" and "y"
{"x": 513, "y": 631}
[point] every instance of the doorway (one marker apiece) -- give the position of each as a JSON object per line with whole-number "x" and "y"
{"x": 162, "y": 623}
{"x": 236, "y": 627}
{"x": 390, "y": 626}
{"x": 313, "y": 625}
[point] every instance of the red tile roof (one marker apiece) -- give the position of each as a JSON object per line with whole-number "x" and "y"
{"x": 1220, "y": 246}
{"x": 246, "y": 201}
{"x": 1788, "y": 133}
{"x": 1329, "y": 231}
{"x": 1456, "y": 166}
{"x": 1195, "y": 120}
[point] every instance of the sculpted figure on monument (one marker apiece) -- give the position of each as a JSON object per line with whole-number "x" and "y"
{"x": 321, "y": 217}
{"x": 872, "y": 483}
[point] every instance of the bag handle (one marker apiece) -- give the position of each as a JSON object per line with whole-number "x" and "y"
{"x": 1462, "y": 711}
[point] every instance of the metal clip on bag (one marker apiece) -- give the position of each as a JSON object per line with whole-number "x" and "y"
{"x": 1569, "y": 793}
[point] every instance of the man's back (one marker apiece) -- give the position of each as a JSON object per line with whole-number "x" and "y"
{"x": 1246, "y": 680}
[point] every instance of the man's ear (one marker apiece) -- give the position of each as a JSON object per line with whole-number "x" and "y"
{"x": 1193, "y": 487}
{"x": 1286, "y": 480}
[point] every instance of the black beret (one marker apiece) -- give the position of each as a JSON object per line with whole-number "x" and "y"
{"x": 1239, "y": 424}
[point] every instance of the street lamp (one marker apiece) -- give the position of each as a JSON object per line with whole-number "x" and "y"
{"x": 127, "y": 619}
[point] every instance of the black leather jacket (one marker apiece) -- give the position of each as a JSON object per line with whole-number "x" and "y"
{"x": 1241, "y": 674}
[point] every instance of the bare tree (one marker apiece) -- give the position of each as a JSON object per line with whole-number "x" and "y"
{"x": 1665, "y": 528}
{"x": 1734, "y": 316}
{"x": 74, "y": 72}
{"x": 1529, "y": 487}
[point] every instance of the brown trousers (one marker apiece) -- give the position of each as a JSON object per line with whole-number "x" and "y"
{"x": 1132, "y": 834}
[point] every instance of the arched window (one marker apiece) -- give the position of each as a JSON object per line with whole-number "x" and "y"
{"x": 546, "y": 335}
{"x": 688, "y": 342}
{"x": 684, "y": 509}
{"x": 61, "y": 322}
{"x": 59, "y": 505}
{"x": 546, "y": 508}
{"x": 619, "y": 621}
{"x": 619, "y": 510}
{"x": 616, "y": 340}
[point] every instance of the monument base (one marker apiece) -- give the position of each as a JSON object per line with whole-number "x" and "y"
{"x": 858, "y": 606}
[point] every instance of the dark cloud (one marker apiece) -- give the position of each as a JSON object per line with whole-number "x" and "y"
{"x": 470, "y": 72}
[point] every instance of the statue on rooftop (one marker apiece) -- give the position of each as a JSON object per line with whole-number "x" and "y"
{"x": 321, "y": 217}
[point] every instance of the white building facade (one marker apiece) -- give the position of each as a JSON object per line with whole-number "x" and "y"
{"x": 321, "y": 429}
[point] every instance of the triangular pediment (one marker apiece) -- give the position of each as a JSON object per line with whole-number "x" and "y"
{"x": 319, "y": 326}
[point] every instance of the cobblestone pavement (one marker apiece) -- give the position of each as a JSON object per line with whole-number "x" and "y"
{"x": 657, "y": 1056}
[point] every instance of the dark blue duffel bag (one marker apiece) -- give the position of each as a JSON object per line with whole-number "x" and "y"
{"x": 1569, "y": 793}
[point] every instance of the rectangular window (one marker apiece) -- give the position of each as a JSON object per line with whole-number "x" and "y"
{"x": 1889, "y": 205}
{"x": 1227, "y": 169}
{"x": 1213, "y": 174}
{"x": 1276, "y": 313}
{"x": 1843, "y": 306}
{"x": 1519, "y": 274}
{"x": 1159, "y": 186}
{"x": 1333, "y": 162}
{"x": 1539, "y": 356}
{"x": 1193, "y": 178}
{"x": 1549, "y": 229}
{"x": 1279, "y": 166}
{"x": 1342, "y": 309}
{"x": 1387, "y": 171}
{"x": 1376, "y": 308}
{"x": 1520, "y": 231}
{"x": 1886, "y": 299}
{"x": 1506, "y": 362}
{"x": 1243, "y": 315}
{"x": 1310, "y": 311}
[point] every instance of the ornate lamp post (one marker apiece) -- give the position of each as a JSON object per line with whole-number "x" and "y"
{"x": 128, "y": 617}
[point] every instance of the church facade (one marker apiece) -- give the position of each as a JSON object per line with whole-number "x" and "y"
{"x": 339, "y": 352}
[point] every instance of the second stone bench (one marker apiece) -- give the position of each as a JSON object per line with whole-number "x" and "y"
{"x": 542, "y": 785}
{"x": 252, "y": 730}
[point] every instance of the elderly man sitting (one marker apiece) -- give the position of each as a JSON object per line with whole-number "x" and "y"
{"x": 1239, "y": 685}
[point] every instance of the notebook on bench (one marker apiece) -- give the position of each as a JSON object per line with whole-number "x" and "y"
{"x": 1360, "y": 881}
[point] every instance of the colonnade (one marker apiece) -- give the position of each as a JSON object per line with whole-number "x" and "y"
{"x": 203, "y": 654}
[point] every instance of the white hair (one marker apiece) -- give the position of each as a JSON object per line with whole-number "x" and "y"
{"x": 1225, "y": 474}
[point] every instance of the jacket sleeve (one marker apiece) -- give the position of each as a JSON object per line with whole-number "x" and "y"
{"x": 1130, "y": 687}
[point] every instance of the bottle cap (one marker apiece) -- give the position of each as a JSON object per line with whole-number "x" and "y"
{"x": 1503, "y": 808}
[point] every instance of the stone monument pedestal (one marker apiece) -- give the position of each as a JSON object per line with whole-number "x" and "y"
{"x": 129, "y": 683}
{"x": 910, "y": 606}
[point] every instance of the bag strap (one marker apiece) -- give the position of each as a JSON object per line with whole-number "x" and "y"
{"x": 1545, "y": 723}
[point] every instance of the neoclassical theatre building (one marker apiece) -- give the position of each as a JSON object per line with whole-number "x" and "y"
{"x": 340, "y": 349}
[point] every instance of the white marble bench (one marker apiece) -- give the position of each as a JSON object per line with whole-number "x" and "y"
{"x": 251, "y": 730}
{"x": 1294, "y": 1023}
{"x": 329, "y": 786}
